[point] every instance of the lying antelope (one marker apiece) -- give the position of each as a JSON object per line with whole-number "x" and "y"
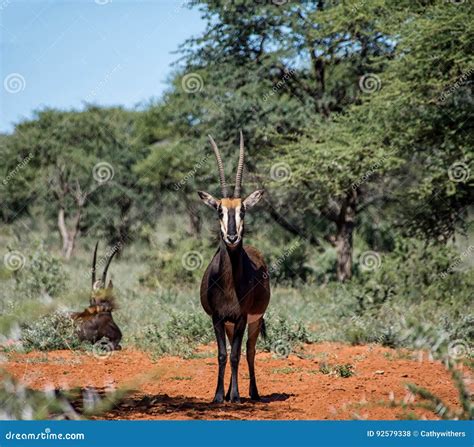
{"x": 235, "y": 289}
{"x": 96, "y": 321}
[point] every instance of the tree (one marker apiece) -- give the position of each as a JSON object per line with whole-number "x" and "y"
{"x": 171, "y": 170}
{"x": 400, "y": 144}
{"x": 75, "y": 158}
{"x": 277, "y": 71}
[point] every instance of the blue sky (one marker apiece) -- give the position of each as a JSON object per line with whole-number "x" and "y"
{"x": 108, "y": 52}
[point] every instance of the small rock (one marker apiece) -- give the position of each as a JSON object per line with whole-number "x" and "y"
{"x": 379, "y": 371}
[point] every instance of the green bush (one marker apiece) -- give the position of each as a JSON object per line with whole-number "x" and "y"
{"x": 42, "y": 274}
{"x": 50, "y": 332}
{"x": 414, "y": 270}
{"x": 287, "y": 261}
{"x": 180, "y": 335}
{"x": 283, "y": 335}
{"x": 344, "y": 371}
{"x": 177, "y": 261}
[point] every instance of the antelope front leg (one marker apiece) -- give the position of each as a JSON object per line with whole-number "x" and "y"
{"x": 239, "y": 331}
{"x": 219, "y": 329}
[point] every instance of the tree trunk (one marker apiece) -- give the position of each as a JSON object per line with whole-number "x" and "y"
{"x": 195, "y": 223}
{"x": 343, "y": 240}
{"x": 343, "y": 244}
{"x": 68, "y": 236}
{"x": 122, "y": 231}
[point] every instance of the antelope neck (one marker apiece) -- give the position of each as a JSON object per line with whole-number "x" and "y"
{"x": 235, "y": 258}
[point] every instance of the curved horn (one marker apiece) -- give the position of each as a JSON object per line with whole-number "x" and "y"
{"x": 240, "y": 168}
{"x": 104, "y": 275}
{"x": 220, "y": 166}
{"x": 94, "y": 260}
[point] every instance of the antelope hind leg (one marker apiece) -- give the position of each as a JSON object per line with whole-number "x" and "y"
{"x": 229, "y": 330}
{"x": 254, "y": 331}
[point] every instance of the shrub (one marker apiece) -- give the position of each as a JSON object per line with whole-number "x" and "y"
{"x": 412, "y": 271}
{"x": 41, "y": 275}
{"x": 344, "y": 371}
{"x": 50, "y": 332}
{"x": 178, "y": 261}
{"x": 286, "y": 261}
{"x": 283, "y": 335}
{"x": 180, "y": 335}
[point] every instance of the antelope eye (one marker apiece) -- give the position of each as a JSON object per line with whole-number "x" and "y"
{"x": 220, "y": 213}
{"x": 242, "y": 213}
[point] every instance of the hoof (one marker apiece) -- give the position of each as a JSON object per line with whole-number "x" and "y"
{"x": 218, "y": 399}
{"x": 235, "y": 399}
{"x": 255, "y": 398}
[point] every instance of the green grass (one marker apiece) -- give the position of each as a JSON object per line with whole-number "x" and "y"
{"x": 345, "y": 370}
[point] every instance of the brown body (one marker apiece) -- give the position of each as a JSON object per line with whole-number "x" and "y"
{"x": 96, "y": 322}
{"x": 244, "y": 270}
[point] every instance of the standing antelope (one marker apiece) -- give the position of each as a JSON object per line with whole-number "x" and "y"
{"x": 96, "y": 321}
{"x": 235, "y": 289}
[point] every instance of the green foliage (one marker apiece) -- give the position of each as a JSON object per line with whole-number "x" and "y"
{"x": 50, "y": 332}
{"x": 413, "y": 270}
{"x": 78, "y": 163}
{"x": 181, "y": 334}
{"x": 287, "y": 262}
{"x": 344, "y": 371}
{"x": 42, "y": 275}
{"x": 284, "y": 335}
{"x": 177, "y": 260}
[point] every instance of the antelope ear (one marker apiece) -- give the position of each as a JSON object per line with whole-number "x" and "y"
{"x": 97, "y": 285}
{"x": 253, "y": 199}
{"x": 208, "y": 199}
{"x": 110, "y": 286}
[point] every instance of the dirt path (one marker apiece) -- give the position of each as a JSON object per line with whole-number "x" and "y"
{"x": 292, "y": 388}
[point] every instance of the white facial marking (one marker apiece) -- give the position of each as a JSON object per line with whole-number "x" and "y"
{"x": 227, "y": 214}
{"x": 238, "y": 221}
{"x": 224, "y": 220}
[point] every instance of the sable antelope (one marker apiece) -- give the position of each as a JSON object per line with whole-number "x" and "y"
{"x": 235, "y": 289}
{"x": 96, "y": 321}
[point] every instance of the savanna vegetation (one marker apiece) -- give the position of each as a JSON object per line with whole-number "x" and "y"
{"x": 356, "y": 117}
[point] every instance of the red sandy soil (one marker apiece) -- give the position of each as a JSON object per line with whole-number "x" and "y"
{"x": 291, "y": 388}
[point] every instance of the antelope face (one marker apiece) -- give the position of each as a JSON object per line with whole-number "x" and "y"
{"x": 231, "y": 213}
{"x": 231, "y": 210}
